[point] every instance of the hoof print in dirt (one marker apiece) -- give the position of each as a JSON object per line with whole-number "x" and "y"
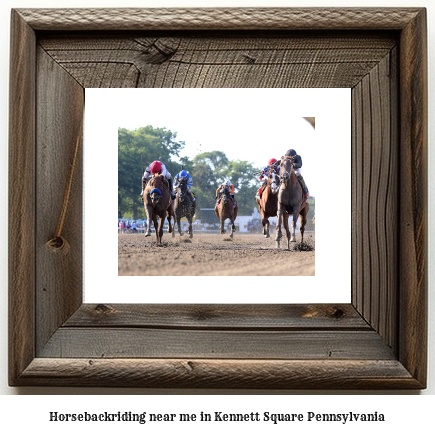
{"x": 303, "y": 247}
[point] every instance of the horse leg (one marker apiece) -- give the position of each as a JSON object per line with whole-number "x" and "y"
{"x": 303, "y": 215}
{"x": 161, "y": 223}
{"x": 173, "y": 229}
{"x": 287, "y": 230}
{"x": 233, "y": 227}
{"x": 293, "y": 224}
{"x": 264, "y": 222}
{"x": 278, "y": 227}
{"x": 266, "y": 225}
{"x": 149, "y": 212}
{"x": 222, "y": 226}
{"x": 189, "y": 218}
{"x": 169, "y": 217}
{"x": 293, "y": 231}
{"x": 156, "y": 228}
{"x": 179, "y": 226}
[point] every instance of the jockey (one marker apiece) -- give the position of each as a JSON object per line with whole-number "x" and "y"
{"x": 272, "y": 163}
{"x": 297, "y": 164}
{"x": 220, "y": 189}
{"x": 157, "y": 168}
{"x": 183, "y": 174}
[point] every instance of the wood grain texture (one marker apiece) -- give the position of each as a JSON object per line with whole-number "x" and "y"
{"x": 413, "y": 197}
{"x": 220, "y": 18}
{"x": 375, "y": 198}
{"x": 59, "y": 277}
{"x": 235, "y": 61}
{"x": 21, "y": 197}
{"x": 269, "y": 317}
{"x": 233, "y": 343}
{"x": 229, "y": 374}
{"x": 378, "y": 342}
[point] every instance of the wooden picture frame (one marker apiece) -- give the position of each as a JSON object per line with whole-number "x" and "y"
{"x": 378, "y": 341}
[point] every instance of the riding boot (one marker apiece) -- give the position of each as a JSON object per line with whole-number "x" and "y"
{"x": 171, "y": 189}
{"x": 192, "y": 197}
{"x": 303, "y": 185}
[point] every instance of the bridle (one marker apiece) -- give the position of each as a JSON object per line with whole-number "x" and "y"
{"x": 284, "y": 174}
{"x": 272, "y": 180}
{"x": 225, "y": 194}
{"x": 181, "y": 189}
{"x": 156, "y": 193}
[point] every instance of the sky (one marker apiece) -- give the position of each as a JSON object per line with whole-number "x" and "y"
{"x": 251, "y": 125}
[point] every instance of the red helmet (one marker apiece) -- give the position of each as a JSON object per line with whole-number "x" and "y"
{"x": 156, "y": 167}
{"x": 271, "y": 161}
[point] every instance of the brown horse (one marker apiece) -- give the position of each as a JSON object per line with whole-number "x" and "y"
{"x": 157, "y": 203}
{"x": 225, "y": 210}
{"x": 291, "y": 200}
{"x": 268, "y": 202}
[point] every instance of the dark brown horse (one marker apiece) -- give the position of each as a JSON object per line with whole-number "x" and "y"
{"x": 291, "y": 200}
{"x": 157, "y": 203}
{"x": 225, "y": 210}
{"x": 268, "y": 202}
{"x": 183, "y": 206}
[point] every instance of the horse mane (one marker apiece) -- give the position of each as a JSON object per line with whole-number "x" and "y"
{"x": 156, "y": 178}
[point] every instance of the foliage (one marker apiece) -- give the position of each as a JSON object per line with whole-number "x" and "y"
{"x": 138, "y": 148}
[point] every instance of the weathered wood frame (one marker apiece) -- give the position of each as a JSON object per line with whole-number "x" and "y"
{"x": 377, "y": 341}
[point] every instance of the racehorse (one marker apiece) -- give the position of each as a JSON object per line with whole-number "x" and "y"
{"x": 184, "y": 206}
{"x": 268, "y": 203}
{"x": 225, "y": 210}
{"x": 291, "y": 200}
{"x": 157, "y": 203}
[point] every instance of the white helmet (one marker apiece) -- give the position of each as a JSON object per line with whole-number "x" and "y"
{"x": 228, "y": 182}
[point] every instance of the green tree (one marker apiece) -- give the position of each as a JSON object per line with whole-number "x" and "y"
{"x": 241, "y": 174}
{"x": 136, "y": 150}
{"x": 214, "y": 159}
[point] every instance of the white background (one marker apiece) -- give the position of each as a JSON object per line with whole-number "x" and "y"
{"x": 406, "y": 412}
{"x": 331, "y": 108}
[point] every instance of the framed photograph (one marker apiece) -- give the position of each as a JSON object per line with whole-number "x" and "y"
{"x": 377, "y": 341}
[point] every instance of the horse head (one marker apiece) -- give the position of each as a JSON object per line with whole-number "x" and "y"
{"x": 286, "y": 169}
{"x": 182, "y": 189}
{"x": 225, "y": 195}
{"x": 157, "y": 192}
{"x": 273, "y": 184}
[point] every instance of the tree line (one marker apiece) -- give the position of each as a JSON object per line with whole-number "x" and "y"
{"x": 138, "y": 148}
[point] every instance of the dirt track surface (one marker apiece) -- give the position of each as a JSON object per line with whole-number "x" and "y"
{"x": 214, "y": 255}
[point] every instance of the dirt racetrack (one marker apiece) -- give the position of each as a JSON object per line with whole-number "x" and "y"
{"x": 214, "y": 255}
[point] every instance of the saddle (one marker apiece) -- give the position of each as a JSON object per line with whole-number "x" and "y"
{"x": 260, "y": 192}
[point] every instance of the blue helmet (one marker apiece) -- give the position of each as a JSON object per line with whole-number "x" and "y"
{"x": 183, "y": 174}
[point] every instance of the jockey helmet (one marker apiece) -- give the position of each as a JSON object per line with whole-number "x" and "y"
{"x": 271, "y": 161}
{"x": 290, "y": 153}
{"x": 156, "y": 167}
{"x": 183, "y": 174}
{"x": 228, "y": 182}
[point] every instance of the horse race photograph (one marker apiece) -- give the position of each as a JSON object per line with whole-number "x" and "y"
{"x": 216, "y": 188}
{"x": 218, "y": 184}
